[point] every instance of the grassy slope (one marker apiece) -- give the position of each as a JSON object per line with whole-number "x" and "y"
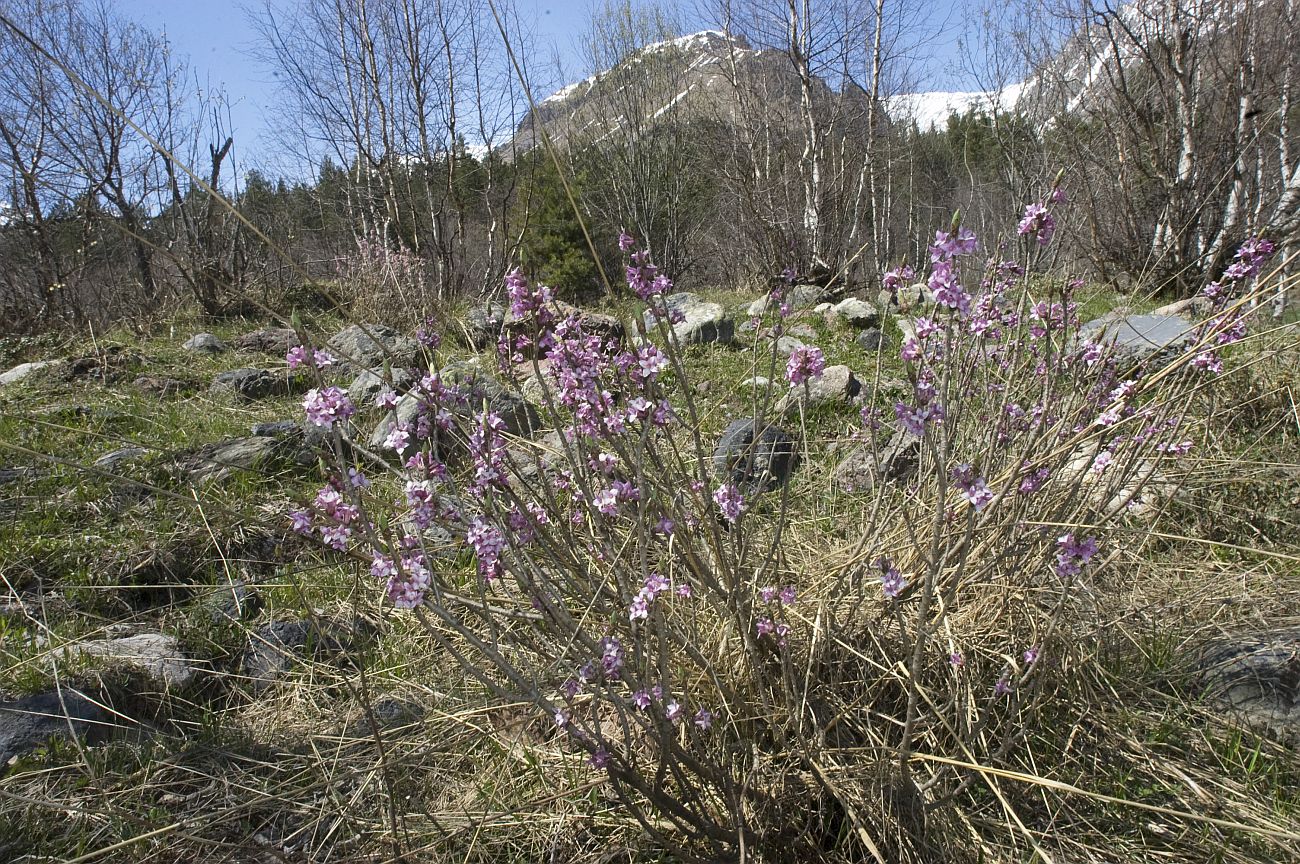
{"x": 290, "y": 770}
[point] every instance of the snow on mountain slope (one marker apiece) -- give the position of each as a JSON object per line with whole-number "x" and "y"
{"x": 930, "y": 111}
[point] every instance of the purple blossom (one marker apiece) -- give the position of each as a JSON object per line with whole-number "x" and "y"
{"x": 326, "y": 405}
{"x": 300, "y": 520}
{"x": 599, "y": 758}
{"x": 1073, "y": 554}
{"x": 1003, "y": 687}
{"x": 704, "y": 719}
{"x": 673, "y": 711}
{"x": 974, "y": 489}
{"x": 788, "y": 595}
{"x": 641, "y": 699}
{"x": 625, "y": 241}
{"x": 956, "y": 659}
{"x": 1031, "y": 655}
{"x": 891, "y": 578}
{"x": 806, "y": 363}
{"x": 1038, "y": 223}
{"x": 488, "y": 543}
{"x": 729, "y": 501}
{"x": 296, "y": 356}
{"x": 765, "y": 626}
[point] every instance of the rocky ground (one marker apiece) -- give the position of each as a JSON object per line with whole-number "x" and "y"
{"x": 153, "y": 598}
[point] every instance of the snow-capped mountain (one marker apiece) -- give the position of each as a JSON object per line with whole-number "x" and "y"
{"x": 688, "y": 77}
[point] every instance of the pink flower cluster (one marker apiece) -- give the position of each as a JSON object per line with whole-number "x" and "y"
{"x": 327, "y": 405}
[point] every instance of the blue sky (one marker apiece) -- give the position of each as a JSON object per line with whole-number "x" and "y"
{"x": 216, "y": 37}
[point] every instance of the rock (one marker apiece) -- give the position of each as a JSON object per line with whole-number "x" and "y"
{"x": 251, "y": 384}
{"x": 368, "y": 346}
{"x": 16, "y": 473}
{"x": 158, "y": 385}
{"x": 516, "y": 412}
{"x": 156, "y": 655}
{"x": 866, "y": 466}
{"x": 268, "y": 340}
{"x": 837, "y": 385}
{"x": 910, "y": 299}
{"x": 481, "y": 325}
{"x": 1255, "y": 678}
{"x": 24, "y": 371}
{"x": 787, "y": 345}
{"x": 30, "y": 722}
{"x": 233, "y": 603}
{"x": 607, "y": 327}
{"x": 871, "y": 339}
{"x": 801, "y": 331}
{"x": 108, "y": 365}
{"x": 218, "y": 461}
{"x": 369, "y": 383}
{"x": 703, "y": 388}
{"x": 703, "y": 322}
{"x": 275, "y": 648}
{"x": 858, "y": 313}
{"x": 204, "y": 343}
{"x": 294, "y": 433}
{"x": 803, "y": 296}
{"x": 755, "y": 460}
{"x": 823, "y": 308}
{"x": 112, "y": 459}
{"x": 758, "y": 382}
{"x": 386, "y": 713}
{"x": 1139, "y": 337}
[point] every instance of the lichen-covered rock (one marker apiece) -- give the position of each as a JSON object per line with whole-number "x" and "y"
{"x": 481, "y": 325}
{"x": 368, "y": 346}
{"x": 1139, "y": 337}
{"x": 1255, "y": 678}
{"x": 267, "y": 340}
{"x": 836, "y": 386}
{"x": 871, "y": 340}
{"x": 30, "y": 722}
{"x": 155, "y": 654}
{"x": 252, "y": 384}
{"x": 702, "y": 322}
{"x": 755, "y": 460}
{"x": 204, "y": 343}
{"x": 858, "y": 313}
{"x": 866, "y": 466}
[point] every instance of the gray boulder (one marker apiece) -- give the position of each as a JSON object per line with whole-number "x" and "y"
{"x": 162, "y": 386}
{"x": 218, "y": 461}
{"x": 113, "y": 459}
{"x": 369, "y": 383}
{"x": 30, "y": 722}
{"x": 252, "y": 384}
{"x": 156, "y": 655}
{"x": 858, "y": 313}
{"x": 753, "y": 459}
{"x": 481, "y": 325}
{"x": 267, "y": 340}
{"x": 866, "y": 466}
{"x": 836, "y": 386}
{"x": 275, "y": 648}
{"x": 703, "y": 322}
{"x": 787, "y": 345}
{"x": 368, "y": 346}
{"x": 204, "y": 343}
{"x": 26, "y": 370}
{"x": 871, "y": 339}
{"x": 801, "y": 296}
{"x": 1255, "y": 678}
{"x": 1139, "y": 337}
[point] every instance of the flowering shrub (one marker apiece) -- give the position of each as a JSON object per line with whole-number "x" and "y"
{"x": 651, "y": 616}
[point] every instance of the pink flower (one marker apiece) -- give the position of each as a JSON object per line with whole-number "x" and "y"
{"x": 806, "y": 363}
{"x": 729, "y": 501}
{"x": 326, "y": 405}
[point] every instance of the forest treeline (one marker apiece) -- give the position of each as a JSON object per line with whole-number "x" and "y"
{"x": 419, "y": 171}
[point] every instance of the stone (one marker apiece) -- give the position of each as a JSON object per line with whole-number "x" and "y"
{"x": 162, "y": 386}
{"x": 518, "y": 415}
{"x": 871, "y": 340}
{"x": 607, "y": 327}
{"x": 837, "y": 385}
{"x": 218, "y": 461}
{"x": 796, "y": 297}
{"x": 481, "y": 325}
{"x": 232, "y": 603}
{"x": 1139, "y": 337}
{"x": 275, "y": 648}
{"x": 204, "y": 343}
{"x": 1254, "y": 677}
{"x": 30, "y": 722}
{"x": 755, "y": 460}
{"x": 801, "y": 331}
{"x": 703, "y": 322}
{"x": 758, "y": 382}
{"x": 155, "y": 654}
{"x": 368, "y": 346}
{"x": 24, "y": 371}
{"x": 112, "y": 459}
{"x": 865, "y": 466}
{"x": 823, "y": 308}
{"x": 268, "y": 340}
{"x": 858, "y": 313}
{"x": 787, "y": 345}
{"x": 369, "y": 383}
{"x": 252, "y": 384}
{"x": 386, "y": 713}
{"x": 16, "y": 473}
